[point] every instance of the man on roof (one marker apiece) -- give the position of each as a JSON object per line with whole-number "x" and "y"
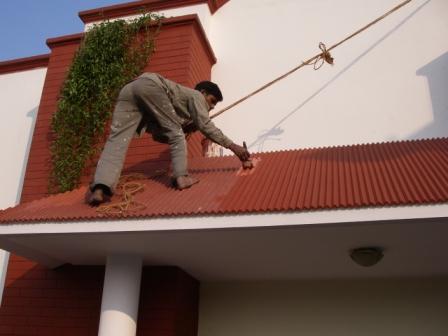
{"x": 168, "y": 111}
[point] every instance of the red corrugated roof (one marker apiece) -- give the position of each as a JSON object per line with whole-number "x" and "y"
{"x": 387, "y": 174}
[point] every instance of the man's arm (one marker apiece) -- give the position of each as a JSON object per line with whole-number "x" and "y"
{"x": 199, "y": 114}
{"x": 242, "y": 153}
{"x": 201, "y": 119}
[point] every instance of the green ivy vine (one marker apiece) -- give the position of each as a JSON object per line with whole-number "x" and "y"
{"x": 111, "y": 54}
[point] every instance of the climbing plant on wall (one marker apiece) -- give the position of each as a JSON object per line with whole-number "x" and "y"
{"x": 111, "y": 54}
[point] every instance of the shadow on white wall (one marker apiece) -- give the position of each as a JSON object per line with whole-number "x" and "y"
{"x": 33, "y": 115}
{"x": 275, "y": 132}
{"x": 436, "y": 73}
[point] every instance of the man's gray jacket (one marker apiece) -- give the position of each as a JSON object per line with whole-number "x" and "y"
{"x": 161, "y": 107}
{"x": 189, "y": 105}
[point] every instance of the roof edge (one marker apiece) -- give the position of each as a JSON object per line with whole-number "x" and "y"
{"x": 174, "y": 21}
{"x": 136, "y": 7}
{"x": 351, "y": 216}
{"x": 216, "y": 4}
{"x": 23, "y": 64}
{"x": 64, "y": 40}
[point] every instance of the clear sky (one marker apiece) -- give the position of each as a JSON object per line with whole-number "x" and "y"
{"x": 25, "y": 25}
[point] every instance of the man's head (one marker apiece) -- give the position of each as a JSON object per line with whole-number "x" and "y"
{"x": 211, "y": 92}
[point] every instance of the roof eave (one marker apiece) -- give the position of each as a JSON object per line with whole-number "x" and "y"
{"x": 243, "y": 220}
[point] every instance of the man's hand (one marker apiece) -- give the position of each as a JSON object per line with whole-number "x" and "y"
{"x": 242, "y": 153}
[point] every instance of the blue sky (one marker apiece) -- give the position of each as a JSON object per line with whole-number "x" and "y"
{"x": 26, "y": 24}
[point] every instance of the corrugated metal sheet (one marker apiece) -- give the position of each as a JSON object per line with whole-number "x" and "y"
{"x": 387, "y": 174}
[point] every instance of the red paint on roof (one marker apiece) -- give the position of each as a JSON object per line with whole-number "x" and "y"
{"x": 372, "y": 175}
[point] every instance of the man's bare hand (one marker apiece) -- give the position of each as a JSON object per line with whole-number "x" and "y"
{"x": 242, "y": 153}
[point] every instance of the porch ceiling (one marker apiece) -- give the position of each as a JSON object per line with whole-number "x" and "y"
{"x": 412, "y": 248}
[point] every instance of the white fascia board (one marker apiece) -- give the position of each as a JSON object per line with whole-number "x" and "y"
{"x": 231, "y": 221}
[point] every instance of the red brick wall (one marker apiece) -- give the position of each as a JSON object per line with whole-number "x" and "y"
{"x": 39, "y": 301}
{"x": 219, "y": 3}
{"x": 182, "y": 54}
{"x": 38, "y": 166}
{"x": 169, "y": 303}
{"x": 22, "y": 64}
{"x": 67, "y": 301}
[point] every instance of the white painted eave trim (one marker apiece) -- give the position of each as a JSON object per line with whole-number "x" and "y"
{"x": 230, "y": 221}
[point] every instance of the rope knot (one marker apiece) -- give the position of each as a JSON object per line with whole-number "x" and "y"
{"x": 324, "y": 57}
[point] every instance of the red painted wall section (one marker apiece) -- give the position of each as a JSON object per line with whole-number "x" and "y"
{"x": 38, "y": 166}
{"x": 183, "y": 54}
{"x": 169, "y": 303}
{"x": 40, "y": 301}
{"x": 67, "y": 301}
{"x": 219, "y": 3}
{"x": 24, "y": 64}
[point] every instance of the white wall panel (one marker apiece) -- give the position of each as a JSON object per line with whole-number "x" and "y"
{"x": 389, "y": 83}
{"x": 20, "y": 94}
{"x": 337, "y": 308}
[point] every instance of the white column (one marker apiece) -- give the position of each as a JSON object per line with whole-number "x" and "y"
{"x": 4, "y": 258}
{"x": 121, "y": 292}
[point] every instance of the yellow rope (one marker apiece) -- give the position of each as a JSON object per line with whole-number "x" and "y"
{"x": 127, "y": 187}
{"x": 317, "y": 61}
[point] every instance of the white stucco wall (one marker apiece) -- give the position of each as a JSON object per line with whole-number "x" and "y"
{"x": 338, "y": 308}
{"x": 387, "y": 84}
{"x": 4, "y": 258}
{"x": 20, "y": 94}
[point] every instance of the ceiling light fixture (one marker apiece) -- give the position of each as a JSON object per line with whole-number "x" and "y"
{"x": 367, "y": 256}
